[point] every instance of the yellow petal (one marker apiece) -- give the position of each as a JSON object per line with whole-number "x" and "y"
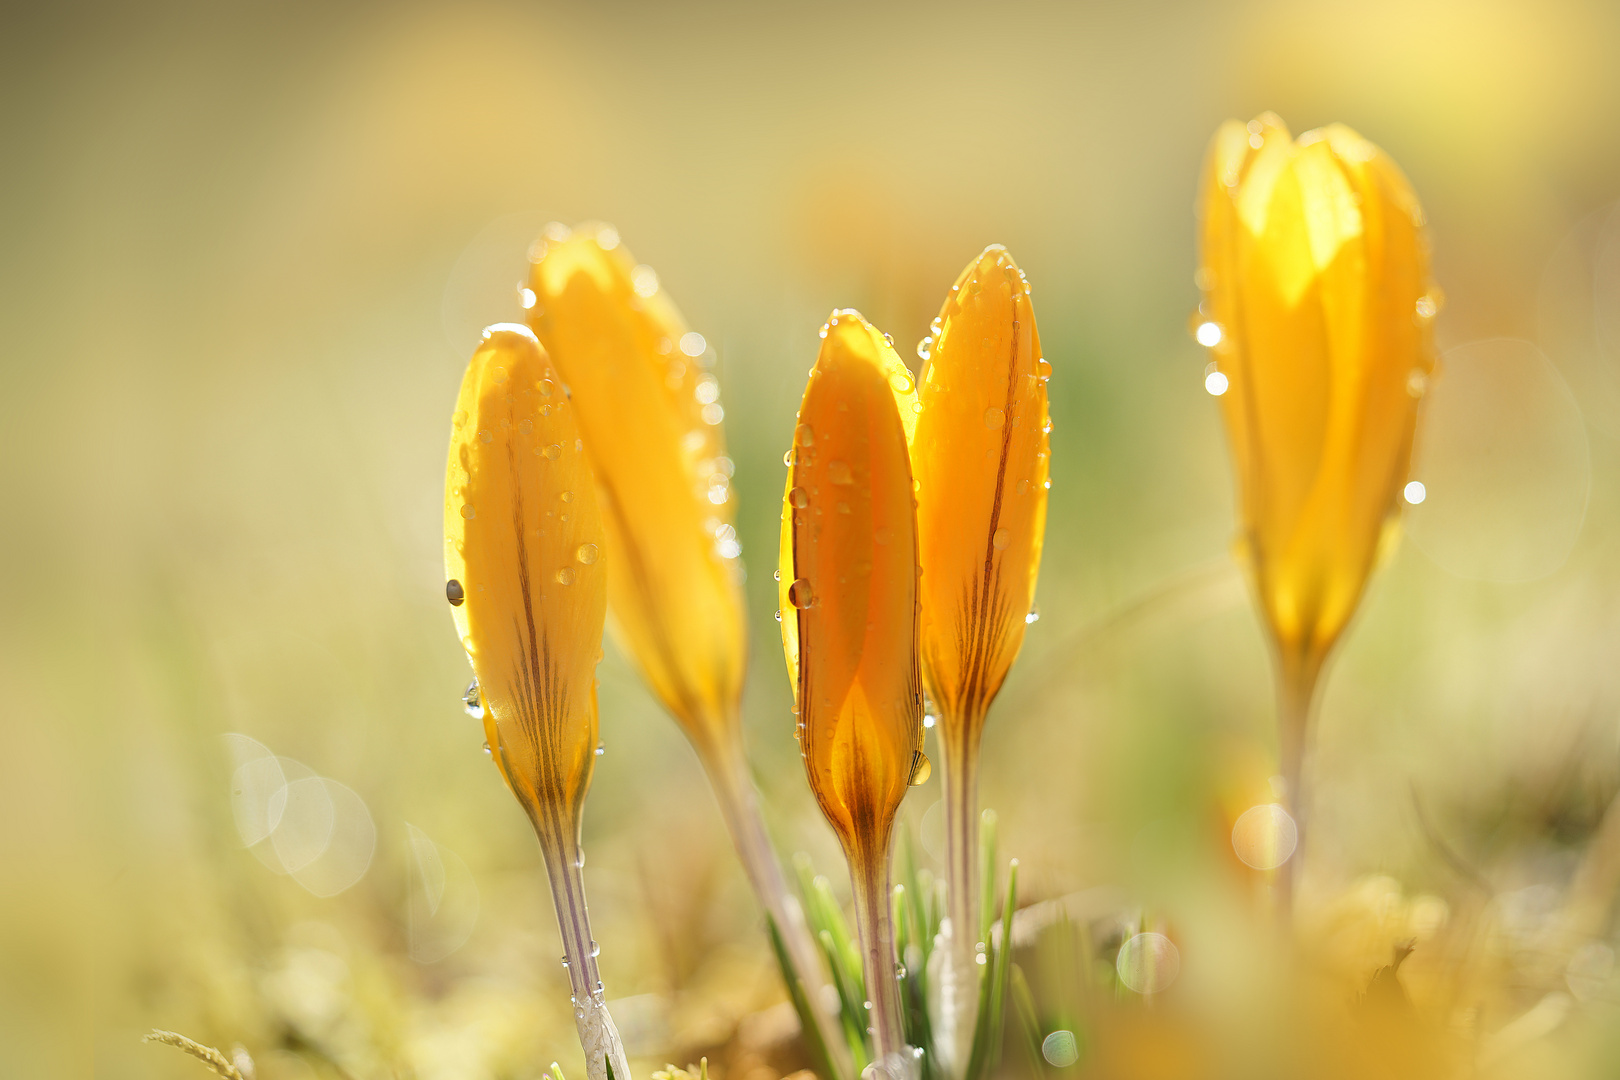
{"x": 649, "y": 411}
{"x": 849, "y": 572}
{"x": 1315, "y": 266}
{"x": 522, "y": 548}
{"x": 980, "y": 457}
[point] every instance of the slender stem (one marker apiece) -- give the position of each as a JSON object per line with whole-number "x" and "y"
{"x": 869, "y": 881}
{"x": 565, "y": 863}
{"x": 739, "y": 807}
{"x": 959, "y": 987}
{"x": 1296, "y": 690}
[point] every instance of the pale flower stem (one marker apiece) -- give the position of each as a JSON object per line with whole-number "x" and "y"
{"x": 739, "y": 807}
{"x": 960, "y": 765}
{"x": 1296, "y": 689}
{"x": 869, "y": 882}
{"x": 565, "y": 862}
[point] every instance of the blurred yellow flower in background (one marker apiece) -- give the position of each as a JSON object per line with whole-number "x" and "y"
{"x": 848, "y": 585}
{"x": 526, "y": 584}
{"x": 1318, "y": 308}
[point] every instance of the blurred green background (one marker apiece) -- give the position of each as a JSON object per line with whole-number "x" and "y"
{"x": 248, "y": 248}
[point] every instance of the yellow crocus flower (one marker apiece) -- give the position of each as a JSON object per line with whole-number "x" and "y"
{"x": 849, "y": 620}
{"x": 1318, "y": 307}
{"x": 527, "y": 588}
{"x": 649, "y": 411}
{"x": 980, "y": 455}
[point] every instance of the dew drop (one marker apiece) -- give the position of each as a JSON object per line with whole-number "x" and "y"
{"x": 1023, "y": 487}
{"x": 804, "y": 436}
{"x": 1034, "y": 615}
{"x": 799, "y": 498}
{"x": 1426, "y": 307}
{"x": 994, "y": 418}
{"x": 500, "y": 376}
{"x": 920, "y": 768}
{"x": 565, "y": 576}
{"x": 901, "y": 381}
{"x": 484, "y": 436}
{"x": 838, "y": 472}
{"x": 525, "y": 426}
{"x": 567, "y": 496}
{"x": 778, "y": 614}
{"x": 468, "y": 512}
{"x": 586, "y": 554}
{"x": 799, "y": 594}
{"x": 454, "y": 593}
{"x": 601, "y": 748}
{"x": 1417, "y": 382}
{"x": 888, "y": 339}
{"x": 545, "y": 387}
{"x": 552, "y": 452}
{"x": 777, "y": 576}
{"x": 473, "y": 701}
{"x": 1000, "y": 539}
{"x": 487, "y": 751}
{"x": 1043, "y": 370}
{"x": 787, "y": 459}
{"x": 925, "y": 348}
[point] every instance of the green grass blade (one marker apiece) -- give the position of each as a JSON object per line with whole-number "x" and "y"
{"x": 797, "y": 992}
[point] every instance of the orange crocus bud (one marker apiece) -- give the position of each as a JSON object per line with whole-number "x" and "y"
{"x": 650, "y": 415}
{"x": 523, "y": 542}
{"x": 1318, "y": 310}
{"x": 649, "y": 411}
{"x": 849, "y": 619}
{"x": 980, "y": 455}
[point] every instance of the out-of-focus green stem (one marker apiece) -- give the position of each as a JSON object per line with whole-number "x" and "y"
{"x": 739, "y": 807}
{"x": 1296, "y": 694}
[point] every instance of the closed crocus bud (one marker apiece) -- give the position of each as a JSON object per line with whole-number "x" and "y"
{"x": 1318, "y": 308}
{"x": 980, "y": 456}
{"x": 526, "y": 584}
{"x": 649, "y": 412}
{"x": 849, "y": 622}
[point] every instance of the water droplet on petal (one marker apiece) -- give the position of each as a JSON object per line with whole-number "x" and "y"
{"x": 565, "y": 576}
{"x": 586, "y": 554}
{"x": 525, "y": 426}
{"x": 920, "y": 768}
{"x": 1034, "y": 615}
{"x": 454, "y": 593}
{"x": 468, "y": 512}
{"x": 799, "y": 498}
{"x": 484, "y": 436}
{"x": 994, "y": 418}
{"x": 1417, "y": 382}
{"x": 601, "y": 748}
{"x": 804, "y": 436}
{"x": 1000, "y": 539}
{"x": 838, "y": 472}
{"x": 473, "y": 701}
{"x": 799, "y": 594}
{"x": 567, "y": 496}
{"x": 552, "y": 452}
{"x": 901, "y": 381}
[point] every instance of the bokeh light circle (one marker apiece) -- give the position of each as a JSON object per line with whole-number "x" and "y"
{"x": 1148, "y": 963}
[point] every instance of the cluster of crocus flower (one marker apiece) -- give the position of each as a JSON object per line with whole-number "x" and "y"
{"x": 588, "y": 473}
{"x": 1318, "y": 309}
{"x": 911, "y": 536}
